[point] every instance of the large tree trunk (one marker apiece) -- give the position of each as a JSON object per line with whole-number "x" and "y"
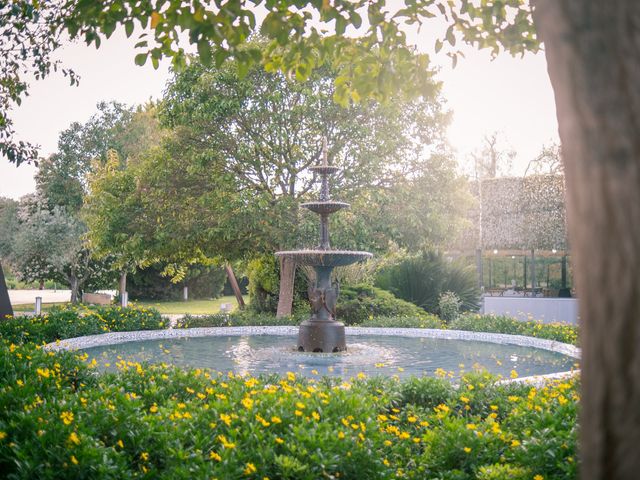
{"x": 5, "y": 301}
{"x": 593, "y": 57}
{"x": 287, "y": 278}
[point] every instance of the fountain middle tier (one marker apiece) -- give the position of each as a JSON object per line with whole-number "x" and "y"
{"x": 326, "y": 207}
{"x": 324, "y": 258}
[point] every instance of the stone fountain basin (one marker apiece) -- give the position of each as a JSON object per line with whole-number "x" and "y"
{"x": 325, "y": 207}
{"x": 325, "y": 258}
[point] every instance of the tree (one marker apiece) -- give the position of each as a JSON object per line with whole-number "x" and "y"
{"x": 492, "y": 159}
{"x": 50, "y": 245}
{"x": 259, "y": 135}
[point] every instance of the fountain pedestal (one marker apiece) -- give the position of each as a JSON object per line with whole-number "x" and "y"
{"x": 322, "y": 333}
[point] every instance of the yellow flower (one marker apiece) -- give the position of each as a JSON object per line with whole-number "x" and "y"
{"x": 388, "y": 443}
{"x": 73, "y": 438}
{"x": 3, "y": 435}
{"x": 513, "y": 374}
{"x": 340, "y": 434}
{"x": 386, "y": 462}
{"x": 225, "y": 443}
{"x": 215, "y": 456}
{"x": 153, "y": 408}
{"x": 291, "y": 376}
{"x": 471, "y": 426}
{"x": 300, "y": 405}
{"x": 279, "y": 440}
{"x": 225, "y": 418}
{"x": 315, "y": 416}
{"x": 275, "y": 419}
{"x": 67, "y": 418}
{"x": 412, "y": 419}
{"x": 538, "y": 477}
{"x": 250, "y": 468}
{"x": 361, "y": 376}
{"x": 247, "y": 403}
{"x": 298, "y": 413}
{"x": 467, "y": 449}
{"x": 144, "y": 456}
{"x": 74, "y": 460}
{"x": 515, "y": 443}
{"x": 120, "y": 444}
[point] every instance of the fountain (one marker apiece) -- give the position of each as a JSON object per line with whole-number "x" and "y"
{"x": 322, "y": 332}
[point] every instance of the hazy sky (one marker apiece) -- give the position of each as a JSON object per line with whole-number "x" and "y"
{"x": 511, "y": 96}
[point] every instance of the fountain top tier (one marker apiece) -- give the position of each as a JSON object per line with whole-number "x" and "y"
{"x": 323, "y": 255}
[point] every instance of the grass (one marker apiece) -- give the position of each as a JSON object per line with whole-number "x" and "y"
{"x": 31, "y": 307}
{"x": 193, "y": 307}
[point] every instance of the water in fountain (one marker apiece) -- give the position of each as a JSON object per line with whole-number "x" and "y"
{"x": 322, "y": 332}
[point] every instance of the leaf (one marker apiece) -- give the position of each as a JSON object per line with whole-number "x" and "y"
{"x": 438, "y": 45}
{"x": 156, "y": 18}
{"x": 204, "y": 51}
{"x": 128, "y": 28}
{"x": 451, "y": 38}
{"x": 141, "y": 59}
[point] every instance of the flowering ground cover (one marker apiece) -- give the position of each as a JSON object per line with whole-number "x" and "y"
{"x": 59, "y": 418}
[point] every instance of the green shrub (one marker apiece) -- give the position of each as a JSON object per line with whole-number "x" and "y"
{"x": 236, "y": 319}
{"x": 360, "y": 303}
{"x": 449, "y": 306}
{"x": 264, "y": 286}
{"x": 426, "y": 392}
{"x": 422, "y": 321}
{"x": 421, "y": 279}
{"x": 76, "y": 321}
{"x": 499, "y": 471}
{"x": 59, "y": 418}
{"x": 501, "y": 324}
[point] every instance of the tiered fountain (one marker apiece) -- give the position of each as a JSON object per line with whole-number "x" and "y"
{"x": 322, "y": 333}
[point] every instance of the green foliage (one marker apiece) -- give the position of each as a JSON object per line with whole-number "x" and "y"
{"x": 449, "y": 306}
{"x": 358, "y": 304}
{"x": 425, "y": 392}
{"x": 264, "y": 286}
{"x": 62, "y": 419}
{"x": 76, "y": 321}
{"x": 202, "y": 281}
{"x": 421, "y": 279}
{"x": 500, "y": 324}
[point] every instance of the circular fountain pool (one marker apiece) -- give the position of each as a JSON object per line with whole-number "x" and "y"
{"x": 403, "y": 352}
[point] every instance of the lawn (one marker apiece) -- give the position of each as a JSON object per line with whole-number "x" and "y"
{"x": 193, "y": 307}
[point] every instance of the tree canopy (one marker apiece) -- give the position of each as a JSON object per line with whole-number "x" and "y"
{"x": 364, "y": 42}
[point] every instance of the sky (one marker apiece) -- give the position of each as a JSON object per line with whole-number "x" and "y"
{"x": 511, "y": 96}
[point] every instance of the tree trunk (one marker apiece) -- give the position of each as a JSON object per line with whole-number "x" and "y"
{"x": 5, "y": 301}
{"x": 287, "y": 278}
{"x": 75, "y": 287}
{"x": 122, "y": 284}
{"x": 234, "y": 285}
{"x": 593, "y": 56}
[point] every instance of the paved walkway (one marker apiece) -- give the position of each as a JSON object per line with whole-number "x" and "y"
{"x": 21, "y": 297}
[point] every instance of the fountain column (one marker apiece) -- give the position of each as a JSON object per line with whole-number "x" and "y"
{"x": 321, "y": 332}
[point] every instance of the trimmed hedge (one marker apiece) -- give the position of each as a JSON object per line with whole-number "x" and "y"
{"x": 501, "y": 324}
{"x": 76, "y": 321}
